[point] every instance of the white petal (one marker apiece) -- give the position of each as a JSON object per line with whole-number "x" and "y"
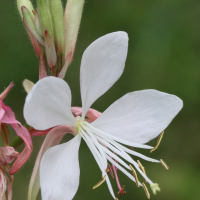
{"x": 59, "y": 171}
{"x": 48, "y": 104}
{"x": 101, "y": 66}
{"x": 139, "y": 116}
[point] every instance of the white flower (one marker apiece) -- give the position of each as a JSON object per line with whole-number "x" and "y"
{"x": 133, "y": 120}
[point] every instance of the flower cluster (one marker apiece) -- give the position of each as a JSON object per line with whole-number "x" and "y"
{"x": 131, "y": 121}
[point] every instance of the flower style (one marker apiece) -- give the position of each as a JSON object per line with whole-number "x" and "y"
{"x": 7, "y": 116}
{"x": 133, "y": 120}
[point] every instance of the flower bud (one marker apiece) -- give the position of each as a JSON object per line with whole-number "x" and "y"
{"x": 45, "y": 17}
{"x": 29, "y": 23}
{"x": 27, "y": 4}
{"x": 50, "y": 52}
{"x": 29, "y": 19}
{"x": 38, "y": 25}
{"x": 72, "y": 18}
{"x": 58, "y": 24}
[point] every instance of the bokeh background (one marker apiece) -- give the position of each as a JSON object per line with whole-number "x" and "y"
{"x": 164, "y": 54}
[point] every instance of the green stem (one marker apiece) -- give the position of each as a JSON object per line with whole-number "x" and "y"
{"x": 17, "y": 141}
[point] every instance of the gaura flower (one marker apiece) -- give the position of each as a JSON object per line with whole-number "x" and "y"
{"x": 7, "y": 116}
{"x": 7, "y": 155}
{"x": 133, "y": 120}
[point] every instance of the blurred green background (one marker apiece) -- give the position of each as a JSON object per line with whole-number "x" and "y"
{"x": 164, "y": 54}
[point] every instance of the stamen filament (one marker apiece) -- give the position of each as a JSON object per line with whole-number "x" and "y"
{"x": 115, "y": 157}
{"x": 99, "y": 183}
{"x": 124, "y": 155}
{"x": 94, "y": 154}
{"x": 164, "y": 164}
{"x": 98, "y": 146}
{"x": 99, "y": 132}
{"x": 110, "y": 187}
{"x": 158, "y": 142}
{"x": 135, "y": 175}
{"x": 146, "y": 191}
{"x": 95, "y": 149}
{"x": 142, "y": 168}
{"x": 122, "y": 169}
{"x": 137, "y": 154}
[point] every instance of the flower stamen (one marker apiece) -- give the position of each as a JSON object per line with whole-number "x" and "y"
{"x": 158, "y": 142}
{"x": 146, "y": 191}
{"x": 110, "y": 171}
{"x": 99, "y": 183}
{"x": 142, "y": 168}
{"x": 135, "y": 176}
{"x": 164, "y": 164}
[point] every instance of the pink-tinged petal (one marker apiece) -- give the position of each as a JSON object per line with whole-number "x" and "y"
{"x": 34, "y": 132}
{"x": 6, "y": 91}
{"x": 101, "y": 66}
{"x": 59, "y": 171}
{"x": 2, "y": 112}
{"x": 9, "y": 116}
{"x": 7, "y": 155}
{"x": 139, "y": 116}
{"x": 3, "y": 182}
{"x": 91, "y": 115}
{"x": 53, "y": 138}
{"x": 25, "y": 154}
{"x": 48, "y": 104}
{"x": 9, "y": 182}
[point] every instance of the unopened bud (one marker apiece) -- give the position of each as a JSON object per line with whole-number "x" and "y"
{"x": 45, "y": 17}
{"x": 58, "y": 24}
{"x": 72, "y": 19}
{"x": 38, "y": 24}
{"x": 29, "y": 23}
{"x": 27, "y": 4}
{"x": 28, "y": 18}
{"x": 50, "y": 51}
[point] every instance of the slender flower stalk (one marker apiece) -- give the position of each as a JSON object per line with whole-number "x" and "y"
{"x": 133, "y": 120}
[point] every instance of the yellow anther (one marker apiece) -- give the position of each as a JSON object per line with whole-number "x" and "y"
{"x": 164, "y": 164}
{"x": 135, "y": 176}
{"x": 99, "y": 183}
{"x": 116, "y": 198}
{"x": 146, "y": 191}
{"x": 158, "y": 142}
{"x": 142, "y": 168}
{"x": 155, "y": 188}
